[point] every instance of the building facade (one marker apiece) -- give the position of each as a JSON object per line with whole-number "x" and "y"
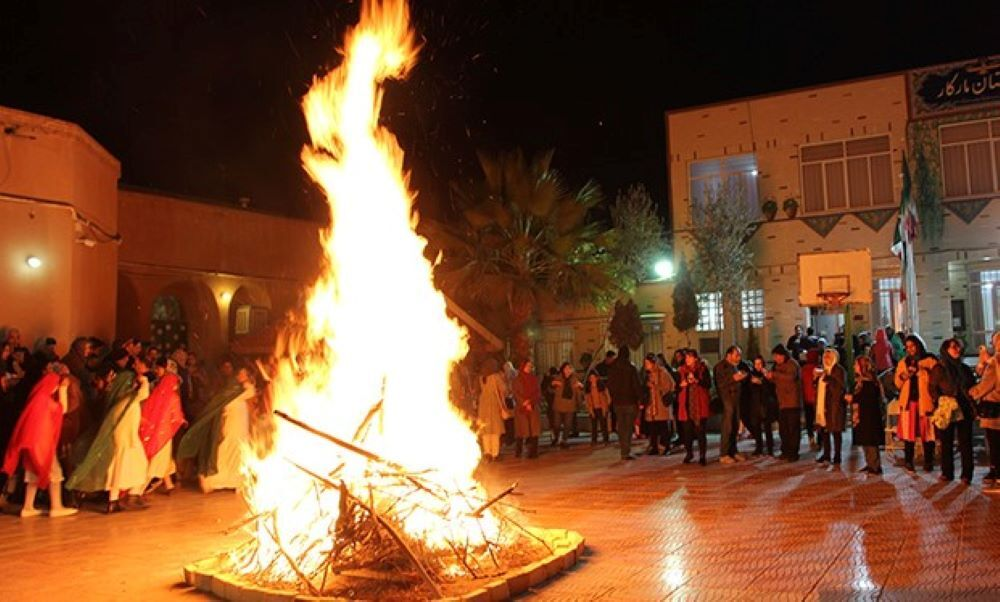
{"x": 835, "y": 154}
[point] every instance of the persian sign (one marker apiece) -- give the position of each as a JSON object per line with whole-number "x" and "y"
{"x": 955, "y": 86}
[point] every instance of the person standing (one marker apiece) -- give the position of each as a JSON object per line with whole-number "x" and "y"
{"x": 528, "y": 411}
{"x": 810, "y": 370}
{"x": 729, "y": 384}
{"x": 950, "y": 382}
{"x": 626, "y": 393}
{"x": 116, "y": 460}
{"x": 491, "y": 408}
{"x": 659, "y": 385}
{"x": 598, "y": 401}
{"x": 695, "y": 384}
{"x": 760, "y": 411}
{"x": 796, "y": 343}
{"x": 882, "y": 353}
{"x": 549, "y": 395}
{"x": 913, "y": 378}
{"x": 162, "y": 417}
{"x": 788, "y": 388}
{"x": 866, "y": 413}
{"x": 987, "y": 393}
{"x": 215, "y": 440}
{"x": 831, "y": 411}
{"x": 34, "y": 444}
{"x": 568, "y": 394}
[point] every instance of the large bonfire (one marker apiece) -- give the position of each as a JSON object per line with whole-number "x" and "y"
{"x": 368, "y": 480}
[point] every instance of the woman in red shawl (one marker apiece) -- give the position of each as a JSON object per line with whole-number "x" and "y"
{"x": 882, "y": 353}
{"x": 692, "y": 404}
{"x": 528, "y": 412}
{"x": 36, "y": 440}
{"x": 162, "y": 417}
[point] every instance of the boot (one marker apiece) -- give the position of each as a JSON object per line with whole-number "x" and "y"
{"x": 519, "y": 447}
{"x": 532, "y": 447}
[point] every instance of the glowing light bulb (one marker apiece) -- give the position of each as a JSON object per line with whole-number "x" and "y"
{"x": 33, "y": 262}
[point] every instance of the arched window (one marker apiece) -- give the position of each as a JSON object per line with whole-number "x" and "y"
{"x": 167, "y": 324}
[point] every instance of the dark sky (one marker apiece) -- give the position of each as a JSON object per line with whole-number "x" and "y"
{"x": 200, "y": 97}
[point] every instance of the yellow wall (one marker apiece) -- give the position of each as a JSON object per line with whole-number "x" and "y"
{"x": 50, "y": 169}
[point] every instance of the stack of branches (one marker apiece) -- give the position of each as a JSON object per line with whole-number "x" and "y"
{"x": 369, "y": 551}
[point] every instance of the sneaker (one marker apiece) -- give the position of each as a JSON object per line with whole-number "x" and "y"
{"x": 727, "y": 460}
{"x": 30, "y": 512}
{"x": 822, "y": 460}
{"x": 61, "y": 512}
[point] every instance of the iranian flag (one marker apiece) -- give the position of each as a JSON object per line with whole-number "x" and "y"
{"x": 903, "y": 247}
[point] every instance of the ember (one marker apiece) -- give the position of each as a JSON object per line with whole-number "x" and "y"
{"x": 366, "y": 487}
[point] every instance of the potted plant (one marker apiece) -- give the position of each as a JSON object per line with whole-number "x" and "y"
{"x": 769, "y": 208}
{"x": 791, "y": 207}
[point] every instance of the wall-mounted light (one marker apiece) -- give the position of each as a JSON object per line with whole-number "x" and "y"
{"x": 225, "y": 296}
{"x": 664, "y": 269}
{"x": 33, "y": 262}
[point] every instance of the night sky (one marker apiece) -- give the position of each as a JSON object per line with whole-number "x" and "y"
{"x": 200, "y": 97}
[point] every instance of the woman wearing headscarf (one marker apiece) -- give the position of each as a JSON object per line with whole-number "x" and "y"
{"x": 528, "y": 409}
{"x": 950, "y": 382}
{"x": 569, "y": 394}
{"x": 162, "y": 417}
{"x": 831, "y": 411}
{"x": 987, "y": 393}
{"x": 35, "y": 442}
{"x": 810, "y": 369}
{"x": 116, "y": 461}
{"x": 881, "y": 352}
{"x": 659, "y": 384}
{"x": 215, "y": 440}
{"x": 598, "y": 401}
{"x": 913, "y": 380}
{"x": 761, "y": 411}
{"x": 866, "y": 413}
{"x": 491, "y": 409}
{"x": 695, "y": 384}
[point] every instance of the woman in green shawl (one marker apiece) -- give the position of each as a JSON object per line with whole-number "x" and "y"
{"x": 116, "y": 460}
{"x": 215, "y": 440}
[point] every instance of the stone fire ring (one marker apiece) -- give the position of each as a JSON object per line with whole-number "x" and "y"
{"x": 567, "y": 548}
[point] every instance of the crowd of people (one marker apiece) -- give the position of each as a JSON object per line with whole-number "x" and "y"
{"x": 112, "y": 423}
{"x": 806, "y": 384}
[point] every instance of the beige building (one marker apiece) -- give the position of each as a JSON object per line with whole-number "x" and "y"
{"x": 837, "y": 152}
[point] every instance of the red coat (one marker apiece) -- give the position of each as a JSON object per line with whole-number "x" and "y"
{"x": 36, "y": 435}
{"x": 692, "y": 403}
{"x": 162, "y": 415}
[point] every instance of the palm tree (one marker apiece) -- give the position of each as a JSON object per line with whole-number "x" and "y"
{"x": 520, "y": 237}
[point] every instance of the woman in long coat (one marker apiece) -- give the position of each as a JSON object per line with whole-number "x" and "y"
{"x": 831, "y": 410}
{"x": 866, "y": 412}
{"x": 528, "y": 409}
{"x": 913, "y": 380}
{"x": 658, "y": 411}
{"x": 568, "y": 398}
{"x": 491, "y": 410}
{"x": 951, "y": 380}
{"x": 692, "y": 404}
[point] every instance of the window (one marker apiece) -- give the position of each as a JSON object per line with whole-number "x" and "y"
{"x": 970, "y": 158}
{"x": 709, "y": 312}
{"x": 888, "y": 309}
{"x": 713, "y": 172}
{"x": 984, "y": 296}
{"x": 851, "y": 173}
{"x": 554, "y": 347}
{"x": 752, "y": 305}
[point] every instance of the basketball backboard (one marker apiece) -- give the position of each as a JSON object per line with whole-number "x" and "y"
{"x": 840, "y": 277}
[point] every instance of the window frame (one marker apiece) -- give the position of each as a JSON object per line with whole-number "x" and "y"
{"x": 843, "y": 160}
{"x": 992, "y": 141}
{"x": 706, "y": 302}
{"x": 752, "y": 310}
{"x": 752, "y": 176}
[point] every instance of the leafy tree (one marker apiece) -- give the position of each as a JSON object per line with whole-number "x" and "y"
{"x": 721, "y": 228}
{"x": 520, "y": 237}
{"x": 638, "y": 239}
{"x": 625, "y": 329}
{"x": 685, "y": 301}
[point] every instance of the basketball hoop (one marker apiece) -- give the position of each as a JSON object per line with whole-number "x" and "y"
{"x": 833, "y": 299}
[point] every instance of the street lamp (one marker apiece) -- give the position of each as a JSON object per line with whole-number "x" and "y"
{"x": 33, "y": 262}
{"x": 664, "y": 269}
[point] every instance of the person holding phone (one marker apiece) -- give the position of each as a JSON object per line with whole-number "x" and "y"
{"x": 987, "y": 393}
{"x": 913, "y": 379}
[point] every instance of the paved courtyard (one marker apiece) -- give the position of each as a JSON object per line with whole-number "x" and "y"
{"x": 655, "y": 529}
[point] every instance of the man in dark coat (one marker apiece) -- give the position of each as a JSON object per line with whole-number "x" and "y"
{"x": 729, "y": 383}
{"x": 626, "y": 394}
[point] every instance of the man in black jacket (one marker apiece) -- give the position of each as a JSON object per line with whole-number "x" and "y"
{"x": 626, "y": 393}
{"x": 729, "y": 384}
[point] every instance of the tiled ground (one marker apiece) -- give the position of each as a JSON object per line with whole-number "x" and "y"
{"x": 655, "y": 529}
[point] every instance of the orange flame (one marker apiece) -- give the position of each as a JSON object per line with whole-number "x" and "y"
{"x": 379, "y": 326}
